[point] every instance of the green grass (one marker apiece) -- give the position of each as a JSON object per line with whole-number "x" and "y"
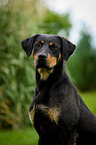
{"x": 90, "y": 100}
{"x": 29, "y": 136}
{"x": 19, "y": 137}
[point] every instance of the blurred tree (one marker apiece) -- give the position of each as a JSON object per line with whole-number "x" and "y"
{"x": 19, "y": 20}
{"x": 54, "y": 22}
{"x": 83, "y": 63}
{"x": 16, "y": 87}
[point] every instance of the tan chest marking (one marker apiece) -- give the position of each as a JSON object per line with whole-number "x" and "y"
{"x": 52, "y": 113}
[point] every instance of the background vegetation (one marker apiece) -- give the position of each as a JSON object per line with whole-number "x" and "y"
{"x": 82, "y": 65}
{"x": 22, "y": 19}
{"x": 19, "y": 20}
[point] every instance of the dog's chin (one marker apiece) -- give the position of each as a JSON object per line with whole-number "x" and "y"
{"x": 44, "y": 71}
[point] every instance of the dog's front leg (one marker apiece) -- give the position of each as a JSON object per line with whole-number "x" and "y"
{"x": 33, "y": 101}
{"x": 32, "y": 108}
{"x": 38, "y": 98}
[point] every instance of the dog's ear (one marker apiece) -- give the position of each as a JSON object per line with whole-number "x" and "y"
{"x": 68, "y": 48}
{"x": 27, "y": 44}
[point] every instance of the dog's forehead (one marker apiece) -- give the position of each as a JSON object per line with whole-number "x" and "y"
{"x": 48, "y": 38}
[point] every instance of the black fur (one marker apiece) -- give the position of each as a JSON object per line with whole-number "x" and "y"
{"x": 68, "y": 48}
{"x": 59, "y": 114}
{"x": 27, "y": 45}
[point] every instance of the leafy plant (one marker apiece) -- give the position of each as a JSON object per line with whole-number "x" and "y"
{"x": 19, "y": 20}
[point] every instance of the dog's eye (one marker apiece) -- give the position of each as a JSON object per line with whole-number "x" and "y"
{"x": 38, "y": 45}
{"x": 52, "y": 46}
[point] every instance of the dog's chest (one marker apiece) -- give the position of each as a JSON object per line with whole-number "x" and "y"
{"x": 41, "y": 113}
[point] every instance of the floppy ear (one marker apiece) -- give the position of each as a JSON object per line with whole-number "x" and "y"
{"x": 27, "y": 45}
{"x": 68, "y": 48}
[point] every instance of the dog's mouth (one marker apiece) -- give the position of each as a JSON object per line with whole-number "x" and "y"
{"x": 43, "y": 65}
{"x": 47, "y": 62}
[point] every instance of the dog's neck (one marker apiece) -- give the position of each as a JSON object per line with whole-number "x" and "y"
{"x": 54, "y": 76}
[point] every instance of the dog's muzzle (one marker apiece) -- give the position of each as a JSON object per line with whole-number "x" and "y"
{"x": 42, "y": 61}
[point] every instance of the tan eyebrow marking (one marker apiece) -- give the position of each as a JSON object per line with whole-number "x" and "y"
{"x": 42, "y": 41}
{"x": 51, "y": 43}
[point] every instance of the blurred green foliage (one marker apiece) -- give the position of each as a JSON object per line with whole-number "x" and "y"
{"x": 20, "y": 19}
{"x": 82, "y": 65}
{"x": 54, "y": 22}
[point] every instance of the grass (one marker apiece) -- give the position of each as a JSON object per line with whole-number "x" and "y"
{"x": 26, "y": 136}
{"x": 29, "y": 136}
{"x": 90, "y": 100}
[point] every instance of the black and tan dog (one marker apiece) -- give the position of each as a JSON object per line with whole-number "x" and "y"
{"x": 57, "y": 111}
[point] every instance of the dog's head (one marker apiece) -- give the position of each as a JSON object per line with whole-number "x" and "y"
{"x": 47, "y": 50}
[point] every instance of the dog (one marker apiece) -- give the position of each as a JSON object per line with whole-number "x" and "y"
{"x": 57, "y": 111}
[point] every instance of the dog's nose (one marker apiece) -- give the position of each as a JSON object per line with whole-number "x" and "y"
{"x": 42, "y": 56}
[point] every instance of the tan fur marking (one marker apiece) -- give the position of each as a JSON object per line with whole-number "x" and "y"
{"x": 44, "y": 73}
{"x": 51, "y": 60}
{"x": 42, "y": 41}
{"x": 31, "y": 115}
{"x": 59, "y": 56}
{"x": 51, "y": 43}
{"x": 35, "y": 59}
{"x": 32, "y": 52}
{"x": 53, "y": 112}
